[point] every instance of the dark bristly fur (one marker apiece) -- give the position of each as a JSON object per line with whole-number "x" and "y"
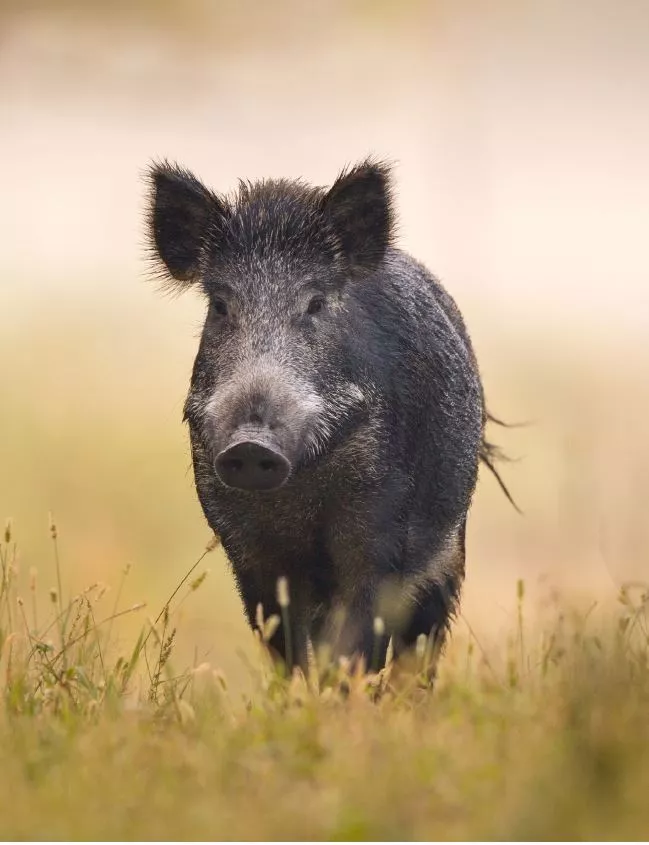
{"x": 336, "y": 410}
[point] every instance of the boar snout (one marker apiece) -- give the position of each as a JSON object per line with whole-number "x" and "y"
{"x": 252, "y": 461}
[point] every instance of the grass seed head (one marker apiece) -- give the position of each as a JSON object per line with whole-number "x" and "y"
{"x": 283, "y": 598}
{"x": 270, "y": 627}
{"x": 259, "y": 617}
{"x": 196, "y": 583}
{"x": 420, "y": 646}
{"x": 214, "y": 543}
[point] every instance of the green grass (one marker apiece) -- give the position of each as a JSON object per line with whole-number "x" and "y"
{"x": 546, "y": 737}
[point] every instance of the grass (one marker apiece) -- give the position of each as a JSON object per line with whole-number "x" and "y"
{"x": 133, "y": 709}
{"x": 545, "y": 738}
{"x": 66, "y": 665}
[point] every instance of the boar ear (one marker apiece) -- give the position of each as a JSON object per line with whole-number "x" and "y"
{"x": 359, "y": 206}
{"x": 181, "y": 209}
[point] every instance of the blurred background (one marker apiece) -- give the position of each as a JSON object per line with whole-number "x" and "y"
{"x": 519, "y": 131}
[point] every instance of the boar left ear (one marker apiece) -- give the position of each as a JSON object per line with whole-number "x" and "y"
{"x": 359, "y": 206}
{"x": 181, "y": 210}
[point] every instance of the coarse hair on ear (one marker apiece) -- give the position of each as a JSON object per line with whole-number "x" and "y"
{"x": 180, "y": 211}
{"x": 359, "y": 208}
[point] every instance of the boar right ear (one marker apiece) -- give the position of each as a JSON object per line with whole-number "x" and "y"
{"x": 181, "y": 209}
{"x": 359, "y": 206}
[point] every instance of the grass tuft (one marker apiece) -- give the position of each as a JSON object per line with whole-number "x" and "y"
{"x": 544, "y": 737}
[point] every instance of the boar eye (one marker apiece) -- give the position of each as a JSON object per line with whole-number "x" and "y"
{"x": 220, "y": 307}
{"x": 316, "y": 305}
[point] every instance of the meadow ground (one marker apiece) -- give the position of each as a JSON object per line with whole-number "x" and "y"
{"x": 548, "y": 738}
{"x": 171, "y": 726}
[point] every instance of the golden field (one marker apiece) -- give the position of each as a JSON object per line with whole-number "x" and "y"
{"x": 521, "y": 180}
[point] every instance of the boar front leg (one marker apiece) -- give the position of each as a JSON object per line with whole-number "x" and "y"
{"x": 287, "y": 648}
{"x": 350, "y": 630}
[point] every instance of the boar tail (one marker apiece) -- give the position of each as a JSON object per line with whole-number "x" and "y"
{"x": 491, "y": 454}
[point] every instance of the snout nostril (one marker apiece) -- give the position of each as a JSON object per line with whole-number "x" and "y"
{"x": 252, "y": 465}
{"x": 233, "y": 464}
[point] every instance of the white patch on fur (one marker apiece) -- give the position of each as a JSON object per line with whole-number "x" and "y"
{"x": 330, "y": 413}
